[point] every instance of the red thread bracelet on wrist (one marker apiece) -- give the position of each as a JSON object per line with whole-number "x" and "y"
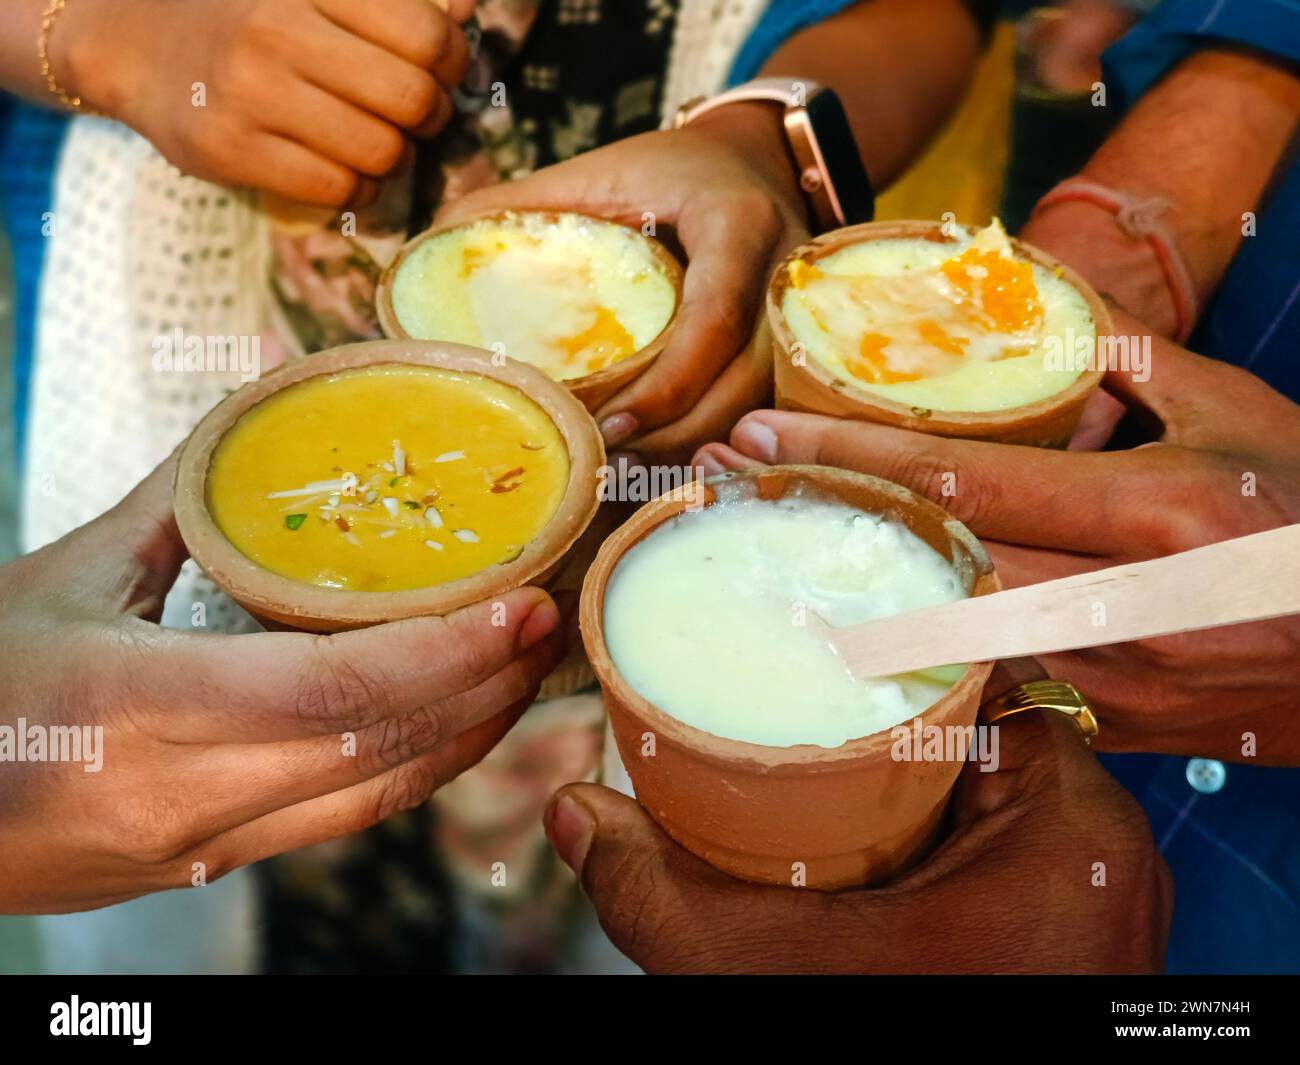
{"x": 1137, "y": 218}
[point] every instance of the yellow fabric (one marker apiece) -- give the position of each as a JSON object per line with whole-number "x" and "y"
{"x": 962, "y": 170}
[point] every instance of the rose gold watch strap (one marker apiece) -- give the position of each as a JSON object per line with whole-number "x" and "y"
{"x": 791, "y": 92}
{"x": 810, "y": 168}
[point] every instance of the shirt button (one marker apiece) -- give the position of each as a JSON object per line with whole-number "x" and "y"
{"x": 1206, "y": 775}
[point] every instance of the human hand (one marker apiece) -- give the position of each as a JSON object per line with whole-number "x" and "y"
{"x": 1015, "y": 888}
{"x": 223, "y": 750}
{"x": 310, "y": 99}
{"x": 723, "y": 189}
{"x": 1225, "y": 463}
{"x": 1067, "y": 42}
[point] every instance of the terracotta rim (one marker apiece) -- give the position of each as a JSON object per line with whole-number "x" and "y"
{"x": 593, "y": 389}
{"x": 946, "y": 422}
{"x": 770, "y": 482}
{"x": 270, "y": 594}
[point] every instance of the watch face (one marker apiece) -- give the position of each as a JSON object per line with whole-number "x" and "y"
{"x": 840, "y": 155}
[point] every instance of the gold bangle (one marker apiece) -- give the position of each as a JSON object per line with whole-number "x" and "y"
{"x": 1056, "y": 695}
{"x": 52, "y": 11}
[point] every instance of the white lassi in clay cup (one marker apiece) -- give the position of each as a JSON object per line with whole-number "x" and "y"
{"x": 585, "y": 300}
{"x": 942, "y": 330}
{"x": 743, "y": 733}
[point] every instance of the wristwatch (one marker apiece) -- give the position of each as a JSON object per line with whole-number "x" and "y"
{"x": 821, "y": 144}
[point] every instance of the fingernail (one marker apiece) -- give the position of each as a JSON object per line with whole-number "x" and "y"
{"x": 571, "y": 830}
{"x": 618, "y": 427}
{"x": 708, "y": 465}
{"x": 539, "y": 624}
{"x": 755, "y": 439}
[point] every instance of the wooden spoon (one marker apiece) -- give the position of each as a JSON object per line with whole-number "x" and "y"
{"x": 1250, "y": 578}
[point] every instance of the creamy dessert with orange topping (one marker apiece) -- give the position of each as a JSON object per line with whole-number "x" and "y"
{"x": 569, "y": 294}
{"x": 961, "y": 326}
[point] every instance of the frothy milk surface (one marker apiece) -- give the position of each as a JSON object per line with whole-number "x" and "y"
{"x": 704, "y": 617}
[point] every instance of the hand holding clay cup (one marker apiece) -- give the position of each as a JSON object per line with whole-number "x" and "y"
{"x": 1223, "y": 463}
{"x": 723, "y": 192}
{"x": 964, "y": 335}
{"x": 386, "y": 480}
{"x": 1013, "y": 887}
{"x": 200, "y": 752}
{"x": 743, "y": 734}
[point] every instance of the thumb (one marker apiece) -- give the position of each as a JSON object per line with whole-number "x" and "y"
{"x": 664, "y": 908}
{"x": 127, "y": 559}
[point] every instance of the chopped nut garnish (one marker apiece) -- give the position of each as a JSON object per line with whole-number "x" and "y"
{"x": 498, "y": 486}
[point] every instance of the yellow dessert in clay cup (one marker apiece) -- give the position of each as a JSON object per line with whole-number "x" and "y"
{"x": 384, "y": 480}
